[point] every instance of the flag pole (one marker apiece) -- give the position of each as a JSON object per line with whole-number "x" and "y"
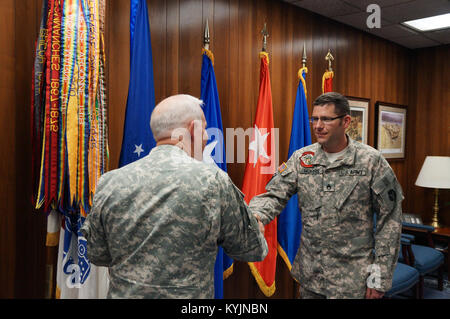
{"x": 329, "y": 57}
{"x": 206, "y": 39}
{"x": 255, "y": 178}
{"x": 304, "y": 55}
{"x": 265, "y": 35}
{"x": 327, "y": 78}
{"x": 303, "y": 69}
{"x": 223, "y": 266}
{"x": 206, "y": 42}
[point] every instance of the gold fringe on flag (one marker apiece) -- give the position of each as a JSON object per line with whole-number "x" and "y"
{"x": 267, "y": 290}
{"x": 326, "y": 75}
{"x": 262, "y": 54}
{"x": 209, "y": 54}
{"x": 300, "y": 77}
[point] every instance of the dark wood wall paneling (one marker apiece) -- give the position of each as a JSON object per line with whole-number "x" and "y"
{"x": 365, "y": 66}
{"x": 22, "y": 233}
{"x": 8, "y": 147}
{"x": 30, "y": 224}
{"x": 429, "y": 127}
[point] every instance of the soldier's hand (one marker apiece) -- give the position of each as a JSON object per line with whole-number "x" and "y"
{"x": 373, "y": 294}
{"x": 260, "y": 224}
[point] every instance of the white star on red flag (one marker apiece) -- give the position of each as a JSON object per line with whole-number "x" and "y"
{"x": 257, "y": 145}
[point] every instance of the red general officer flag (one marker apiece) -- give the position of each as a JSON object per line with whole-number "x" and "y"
{"x": 327, "y": 81}
{"x": 258, "y": 171}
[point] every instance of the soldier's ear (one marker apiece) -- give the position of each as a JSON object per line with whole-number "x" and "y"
{"x": 191, "y": 129}
{"x": 346, "y": 120}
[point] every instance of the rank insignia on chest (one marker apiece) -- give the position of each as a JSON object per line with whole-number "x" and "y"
{"x": 306, "y": 159}
{"x": 328, "y": 187}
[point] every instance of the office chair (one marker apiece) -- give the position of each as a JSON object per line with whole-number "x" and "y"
{"x": 405, "y": 277}
{"x": 425, "y": 259}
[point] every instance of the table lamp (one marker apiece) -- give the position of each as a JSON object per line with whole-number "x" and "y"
{"x": 435, "y": 173}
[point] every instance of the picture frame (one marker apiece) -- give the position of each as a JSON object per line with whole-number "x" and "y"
{"x": 390, "y": 124}
{"x": 412, "y": 219}
{"x": 359, "y": 112}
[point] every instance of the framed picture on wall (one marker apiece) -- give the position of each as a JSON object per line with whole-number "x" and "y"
{"x": 359, "y": 111}
{"x": 390, "y": 124}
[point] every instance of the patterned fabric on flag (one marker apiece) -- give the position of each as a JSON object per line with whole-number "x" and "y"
{"x": 138, "y": 139}
{"x": 327, "y": 81}
{"x": 289, "y": 221}
{"x": 76, "y": 277}
{"x": 214, "y": 152}
{"x": 258, "y": 171}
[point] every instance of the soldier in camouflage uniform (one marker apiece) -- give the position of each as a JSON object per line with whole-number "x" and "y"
{"x": 341, "y": 184}
{"x": 157, "y": 222}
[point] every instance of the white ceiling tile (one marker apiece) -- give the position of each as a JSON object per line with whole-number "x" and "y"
{"x": 415, "y": 10}
{"x": 393, "y": 12}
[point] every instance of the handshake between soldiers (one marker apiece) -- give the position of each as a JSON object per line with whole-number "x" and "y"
{"x": 157, "y": 222}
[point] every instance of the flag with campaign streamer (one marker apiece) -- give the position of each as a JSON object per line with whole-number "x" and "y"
{"x": 69, "y": 134}
{"x": 138, "y": 139}
{"x": 214, "y": 152}
{"x": 259, "y": 169}
{"x": 289, "y": 221}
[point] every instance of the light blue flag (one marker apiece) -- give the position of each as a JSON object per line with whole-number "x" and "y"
{"x": 289, "y": 221}
{"x": 137, "y": 137}
{"x": 214, "y": 153}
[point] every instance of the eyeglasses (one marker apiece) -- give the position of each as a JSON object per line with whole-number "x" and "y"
{"x": 324, "y": 119}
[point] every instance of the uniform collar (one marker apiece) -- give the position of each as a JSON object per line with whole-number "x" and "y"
{"x": 173, "y": 149}
{"x": 348, "y": 158}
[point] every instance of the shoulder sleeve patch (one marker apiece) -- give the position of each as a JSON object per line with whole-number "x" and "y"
{"x": 282, "y": 168}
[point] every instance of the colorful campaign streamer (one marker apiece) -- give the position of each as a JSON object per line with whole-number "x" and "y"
{"x": 68, "y": 118}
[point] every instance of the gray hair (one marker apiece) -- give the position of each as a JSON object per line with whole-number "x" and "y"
{"x": 174, "y": 112}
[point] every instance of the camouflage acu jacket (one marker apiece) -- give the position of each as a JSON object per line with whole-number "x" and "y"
{"x": 337, "y": 202}
{"x": 157, "y": 224}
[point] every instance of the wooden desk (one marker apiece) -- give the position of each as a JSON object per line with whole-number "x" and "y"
{"x": 439, "y": 239}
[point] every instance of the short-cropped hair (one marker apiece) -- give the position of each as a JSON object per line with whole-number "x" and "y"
{"x": 341, "y": 106}
{"x": 179, "y": 111}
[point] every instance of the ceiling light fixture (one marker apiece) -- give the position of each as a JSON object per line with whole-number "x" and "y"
{"x": 438, "y": 22}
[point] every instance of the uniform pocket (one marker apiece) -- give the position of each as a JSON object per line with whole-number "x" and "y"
{"x": 385, "y": 188}
{"x": 310, "y": 215}
{"x": 356, "y": 247}
{"x": 342, "y": 195}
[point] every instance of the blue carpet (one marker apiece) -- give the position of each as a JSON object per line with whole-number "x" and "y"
{"x": 431, "y": 291}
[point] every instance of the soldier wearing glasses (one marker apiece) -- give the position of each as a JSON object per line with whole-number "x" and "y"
{"x": 341, "y": 185}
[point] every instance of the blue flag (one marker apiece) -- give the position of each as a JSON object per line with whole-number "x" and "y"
{"x": 289, "y": 221}
{"x": 214, "y": 152}
{"x": 138, "y": 139}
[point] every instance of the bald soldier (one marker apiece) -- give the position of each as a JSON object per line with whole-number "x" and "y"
{"x": 341, "y": 185}
{"x": 157, "y": 222}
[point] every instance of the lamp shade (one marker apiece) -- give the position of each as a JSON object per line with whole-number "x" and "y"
{"x": 435, "y": 172}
